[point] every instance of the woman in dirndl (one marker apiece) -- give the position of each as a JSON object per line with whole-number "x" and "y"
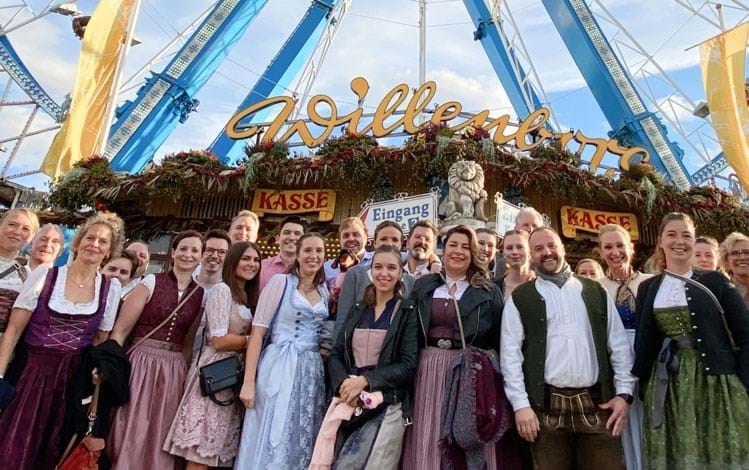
{"x": 692, "y": 359}
{"x": 205, "y": 433}
{"x": 59, "y": 312}
{"x": 480, "y": 303}
{"x": 159, "y": 332}
{"x": 621, "y": 282}
{"x": 284, "y": 389}
{"x": 17, "y": 227}
{"x": 371, "y": 368}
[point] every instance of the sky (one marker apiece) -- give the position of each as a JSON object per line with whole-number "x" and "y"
{"x": 379, "y": 41}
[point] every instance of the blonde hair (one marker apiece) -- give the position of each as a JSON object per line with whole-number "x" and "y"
{"x": 659, "y": 257}
{"x": 353, "y": 222}
{"x": 608, "y": 228}
{"x": 31, "y": 215}
{"x": 596, "y": 266}
{"x": 108, "y": 219}
{"x": 726, "y": 247}
{"x": 246, "y": 213}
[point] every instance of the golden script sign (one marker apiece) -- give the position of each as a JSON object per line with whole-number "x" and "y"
{"x": 587, "y": 220}
{"x": 299, "y": 201}
{"x": 530, "y": 133}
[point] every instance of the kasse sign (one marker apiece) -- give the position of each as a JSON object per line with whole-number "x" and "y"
{"x": 404, "y": 211}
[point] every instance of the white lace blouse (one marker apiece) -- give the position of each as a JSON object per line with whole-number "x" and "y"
{"x": 671, "y": 292}
{"x": 32, "y": 289}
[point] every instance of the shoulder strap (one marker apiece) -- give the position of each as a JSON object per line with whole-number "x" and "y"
{"x": 166, "y": 320}
{"x": 712, "y": 297}
{"x": 18, "y": 267}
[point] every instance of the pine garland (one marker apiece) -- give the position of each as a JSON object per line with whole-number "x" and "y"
{"x": 353, "y": 162}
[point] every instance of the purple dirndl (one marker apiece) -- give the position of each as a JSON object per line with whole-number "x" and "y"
{"x": 30, "y": 426}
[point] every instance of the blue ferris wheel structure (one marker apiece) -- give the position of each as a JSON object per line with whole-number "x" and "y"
{"x": 168, "y": 97}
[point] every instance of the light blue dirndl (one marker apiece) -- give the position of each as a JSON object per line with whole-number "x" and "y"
{"x": 280, "y": 431}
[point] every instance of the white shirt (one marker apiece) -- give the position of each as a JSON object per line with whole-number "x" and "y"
{"x": 672, "y": 292}
{"x": 421, "y": 269}
{"x": 443, "y": 291}
{"x": 32, "y": 288}
{"x": 149, "y": 281}
{"x": 570, "y": 350}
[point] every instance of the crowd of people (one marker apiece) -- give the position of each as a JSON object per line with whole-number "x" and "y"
{"x": 494, "y": 355}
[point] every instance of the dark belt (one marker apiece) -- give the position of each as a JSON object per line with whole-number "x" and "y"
{"x": 443, "y": 343}
{"x": 668, "y": 363}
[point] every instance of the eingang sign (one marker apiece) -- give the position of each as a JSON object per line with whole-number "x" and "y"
{"x": 405, "y": 211}
{"x": 532, "y": 126}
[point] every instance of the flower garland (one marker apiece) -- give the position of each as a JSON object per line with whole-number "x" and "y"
{"x": 352, "y": 162}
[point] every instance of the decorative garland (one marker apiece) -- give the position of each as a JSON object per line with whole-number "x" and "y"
{"x": 358, "y": 161}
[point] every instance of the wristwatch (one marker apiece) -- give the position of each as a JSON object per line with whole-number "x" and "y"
{"x": 626, "y": 397}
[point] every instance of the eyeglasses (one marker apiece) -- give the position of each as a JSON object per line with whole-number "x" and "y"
{"x": 212, "y": 251}
{"x": 738, "y": 253}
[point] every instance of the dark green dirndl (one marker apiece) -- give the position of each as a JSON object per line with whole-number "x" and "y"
{"x": 705, "y": 418}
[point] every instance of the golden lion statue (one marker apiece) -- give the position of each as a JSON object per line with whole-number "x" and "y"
{"x": 467, "y": 196}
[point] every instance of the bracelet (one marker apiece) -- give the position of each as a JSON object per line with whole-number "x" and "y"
{"x": 246, "y": 341}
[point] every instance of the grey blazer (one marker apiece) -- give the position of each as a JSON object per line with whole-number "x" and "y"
{"x": 352, "y": 291}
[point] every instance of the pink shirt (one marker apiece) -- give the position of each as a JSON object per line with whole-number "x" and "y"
{"x": 270, "y": 267}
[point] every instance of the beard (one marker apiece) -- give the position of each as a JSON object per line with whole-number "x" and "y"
{"x": 543, "y": 263}
{"x": 419, "y": 253}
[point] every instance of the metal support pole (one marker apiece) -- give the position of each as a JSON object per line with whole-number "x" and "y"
{"x": 422, "y": 47}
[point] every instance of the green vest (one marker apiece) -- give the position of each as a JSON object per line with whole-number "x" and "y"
{"x": 532, "y": 310}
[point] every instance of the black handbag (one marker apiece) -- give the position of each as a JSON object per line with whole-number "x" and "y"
{"x": 224, "y": 374}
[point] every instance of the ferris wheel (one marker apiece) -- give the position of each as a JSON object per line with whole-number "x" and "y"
{"x": 642, "y": 102}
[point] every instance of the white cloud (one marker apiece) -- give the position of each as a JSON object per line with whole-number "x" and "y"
{"x": 384, "y": 52}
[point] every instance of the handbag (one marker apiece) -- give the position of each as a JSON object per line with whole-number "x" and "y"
{"x": 224, "y": 374}
{"x": 85, "y": 455}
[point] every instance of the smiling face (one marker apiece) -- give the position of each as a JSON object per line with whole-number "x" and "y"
{"x": 616, "y": 250}
{"x": 588, "y": 269}
{"x": 386, "y": 271}
{"x": 311, "y": 256}
{"x": 738, "y": 259}
{"x": 119, "y": 268}
{"x": 457, "y": 256}
{"x": 46, "y": 246}
{"x": 187, "y": 254}
{"x": 16, "y": 230}
{"x": 95, "y": 245}
{"x": 248, "y": 266}
{"x": 705, "y": 256}
{"x": 352, "y": 239}
{"x": 388, "y": 236}
{"x": 677, "y": 243}
{"x": 289, "y": 236}
{"x": 487, "y": 246}
{"x": 214, "y": 255}
{"x": 528, "y": 221}
{"x": 244, "y": 229}
{"x": 421, "y": 243}
{"x": 547, "y": 251}
{"x": 515, "y": 250}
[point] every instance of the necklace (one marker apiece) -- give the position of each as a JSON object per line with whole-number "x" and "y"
{"x": 79, "y": 284}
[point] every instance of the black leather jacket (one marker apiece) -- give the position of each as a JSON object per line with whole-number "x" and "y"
{"x": 480, "y": 312}
{"x": 708, "y": 328}
{"x": 396, "y": 367}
